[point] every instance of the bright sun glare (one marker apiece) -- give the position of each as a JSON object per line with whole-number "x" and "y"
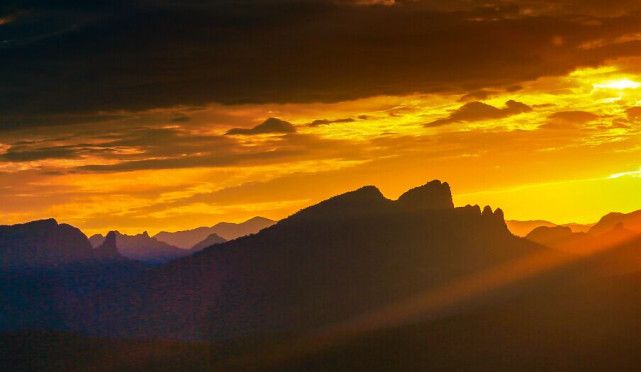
{"x": 618, "y": 84}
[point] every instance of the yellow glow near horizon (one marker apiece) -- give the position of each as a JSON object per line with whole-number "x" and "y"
{"x": 571, "y": 158}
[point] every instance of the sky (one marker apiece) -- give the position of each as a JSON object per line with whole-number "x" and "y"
{"x": 168, "y": 115}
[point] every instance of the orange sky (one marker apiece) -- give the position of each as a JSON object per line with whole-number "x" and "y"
{"x": 573, "y": 156}
{"x": 533, "y": 106}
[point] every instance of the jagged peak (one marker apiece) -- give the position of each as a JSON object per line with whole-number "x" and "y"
{"x": 487, "y": 211}
{"x": 432, "y": 195}
{"x": 110, "y": 239}
{"x": 498, "y": 213}
{"x": 476, "y": 208}
{"x": 109, "y": 247}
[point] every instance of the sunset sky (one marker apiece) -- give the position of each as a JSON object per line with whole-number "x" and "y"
{"x": 168, "y": 115}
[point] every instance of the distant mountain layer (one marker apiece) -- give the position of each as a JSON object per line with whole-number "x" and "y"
{"x": 598, "y": 238}
{"x": 46, "y": 244}
{"x": 341, "y": 258}
{"x": 142, "y": 247}
{"x": 522, "y": 228}
{"x": 631, "y": 221}
{"x": 612, "y": 229}
{"x": 227, "y": 230}
{"x": 207, "y": 242}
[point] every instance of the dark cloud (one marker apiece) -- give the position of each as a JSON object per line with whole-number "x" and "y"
{"x": 143, "y": 148}
{"x": 634, "y": 113}
{"x": 18, "y": 154}
{"x": 285, "y": 149}
{"x": 569, "y": 119}
{"x": 129, "y": 145}
{"x": 72, "y": 57}
{"x": 476, "y": 95}
{"x": 269, "y": 126}
{"x": 475, "y": 111}
{"x": 180, "y": 119}
{"x": 319, "y": 122}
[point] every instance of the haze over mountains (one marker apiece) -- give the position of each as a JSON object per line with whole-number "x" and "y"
{"x": 611, "y": 230}
{"x": 187, "y": 239}
{"x": 142, "y": 247}
{"x": 522, "y": 228}
{"x": 357, "y": 281}
{"x": 166, "y": 246}
{"x": 329, "y": 262}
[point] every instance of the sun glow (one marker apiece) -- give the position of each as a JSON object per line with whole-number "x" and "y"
{"x": 619, "y": 84}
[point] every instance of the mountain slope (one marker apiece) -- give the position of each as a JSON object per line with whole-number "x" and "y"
{"x": 207, "y": 242}
{"x": 631, "y": 221}
{"x": 345, "y": 256}
{"x": 226, "y": 230}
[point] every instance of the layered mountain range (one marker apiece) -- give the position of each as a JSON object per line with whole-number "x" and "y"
{"x": 167, "y": 246}
{"x": 329, "y": 262}
{"x": 610, "y": 230}
{"x": 142, "y": 247}
{"x": 187, "y": 239}
{"x": 357, "y": 281}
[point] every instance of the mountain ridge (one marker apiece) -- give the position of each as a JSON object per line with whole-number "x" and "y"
{"x": 46, "y": 243}
{"x": 320, "y": 265}
{"x": 141, "y": 247}
{"x": 186, "y": 239}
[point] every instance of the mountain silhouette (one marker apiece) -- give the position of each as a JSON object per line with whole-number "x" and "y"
{"x": 553, "y": 236}
{"x": 433, "y": 195}
{"x": 207, "y": 242}
{"x": 523, "y": 228}
{"x": 631, "y": 221}
{"x": 46, "y": 265}
{"x": 323, "y": 290}
{"x": 562, "y": 238}
{"x": 46, "y": 244}
{"x": 340, "y": 258}
{"x": 227, "y": 230}
{"x": 140, "y": 247}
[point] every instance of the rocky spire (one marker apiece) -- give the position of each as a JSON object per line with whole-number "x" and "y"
{"x": 108, "y": 248}
{"x": 432, "y": 195}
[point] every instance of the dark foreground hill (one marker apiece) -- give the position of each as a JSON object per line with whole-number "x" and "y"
{"x": 47, "y": 244}
{"x": 582, "y": 318}
{"x": 35, "y": 294}
{"x": 328, "y": 263}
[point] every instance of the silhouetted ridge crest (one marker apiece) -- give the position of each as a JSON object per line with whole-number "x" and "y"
{"x": 44, "y": 243}
{"x": 432, "y": 195}
{"x": 327, "y": 263}
{"x": 549, "y": 236}
{"x": 631, "y": 221}
{"x": 109, "y": 244}
{"x": 360, "y": 201}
